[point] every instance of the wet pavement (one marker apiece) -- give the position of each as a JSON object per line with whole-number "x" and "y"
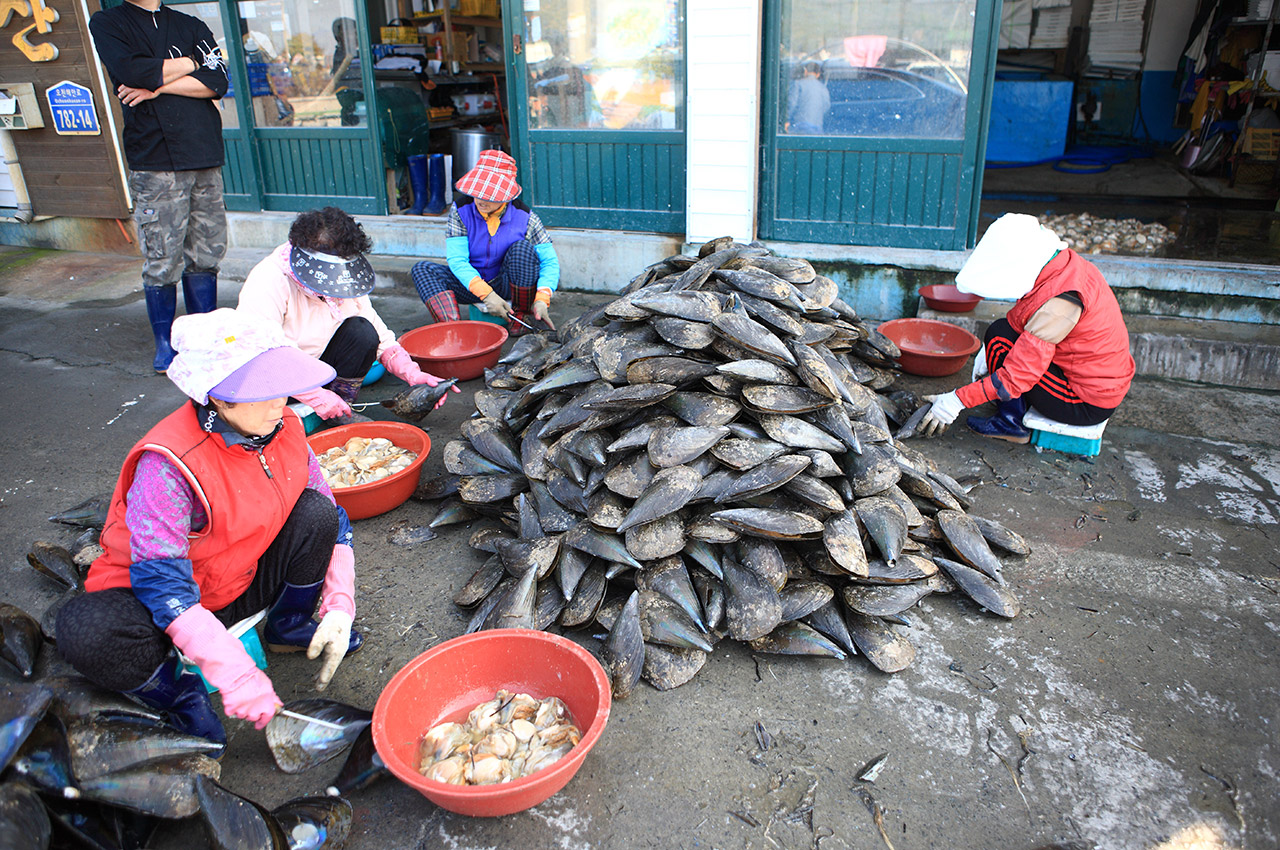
{"x": 1133, "y": 704}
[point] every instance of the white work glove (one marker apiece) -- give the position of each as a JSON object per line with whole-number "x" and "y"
{"x": 945, "y": 408}
{"x": 495, "y": 306}
{"x": 332, "y": 638}
{"x": 542, "y": 312}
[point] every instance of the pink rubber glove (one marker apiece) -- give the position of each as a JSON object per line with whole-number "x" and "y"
{"x": 400, "y": 364}
{"x": 324, "y": 402}
{"x": 339, "y": 591}
{"x": 246, "y": 691}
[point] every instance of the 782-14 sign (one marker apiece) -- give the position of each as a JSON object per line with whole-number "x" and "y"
{"x": 71, "y": 106}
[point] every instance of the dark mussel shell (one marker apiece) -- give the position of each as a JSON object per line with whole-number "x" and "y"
{"x": 24, "y": 823}
{"x": 234, "y": 823}
{"x": 21, "y": 640}
{"x": 164, "y": 789}
{"x": 362, "y": 767}
{"x": 298, "y": 745}
{"x": 21, "y": 707}
{"x": 312, "y": 823}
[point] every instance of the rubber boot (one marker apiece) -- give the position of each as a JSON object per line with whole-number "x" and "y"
{"x": 181, "y": 696}
{"x": 1005, "y": 425}
{"x": 418, "y": 180}
{"x": 162, "y": 303}
{"x": 200, "y": 292}
{"x": 435, "y": 184}
{"x": 346, "y": 389}
{"x": 289, "y": 624}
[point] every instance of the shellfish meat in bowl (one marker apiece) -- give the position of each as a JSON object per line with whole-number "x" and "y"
{"x": 380, "y": 495}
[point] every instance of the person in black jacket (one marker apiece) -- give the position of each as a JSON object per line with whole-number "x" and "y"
{"x": 168, "y": 71}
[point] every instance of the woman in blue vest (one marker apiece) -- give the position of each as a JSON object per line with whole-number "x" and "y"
{"x": 498, "y": 254}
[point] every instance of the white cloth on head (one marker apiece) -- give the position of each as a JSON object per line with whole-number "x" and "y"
{"x": 1008, "y": 258}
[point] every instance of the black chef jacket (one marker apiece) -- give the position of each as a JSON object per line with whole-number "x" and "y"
{"x": 169, "y": 132}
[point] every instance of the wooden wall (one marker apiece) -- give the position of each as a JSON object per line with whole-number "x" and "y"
{"x": 65, "y": 175}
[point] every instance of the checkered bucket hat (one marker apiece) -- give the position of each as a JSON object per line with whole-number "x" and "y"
{"x": 492, "y": 179}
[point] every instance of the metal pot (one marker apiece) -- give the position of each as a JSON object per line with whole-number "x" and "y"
{"x": 468, "y": 143}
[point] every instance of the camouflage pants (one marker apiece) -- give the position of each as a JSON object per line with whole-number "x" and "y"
{"x": 182, "y": 223}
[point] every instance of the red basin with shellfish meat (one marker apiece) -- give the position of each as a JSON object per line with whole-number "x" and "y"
{"x": 447, "y": 681}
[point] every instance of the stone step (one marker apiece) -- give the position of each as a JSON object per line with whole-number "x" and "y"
{"x": 391, "y": 271}
{"x": 1229, "y": 354}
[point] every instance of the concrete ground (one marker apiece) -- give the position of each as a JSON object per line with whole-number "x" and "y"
{"x": 1132, "y": 704}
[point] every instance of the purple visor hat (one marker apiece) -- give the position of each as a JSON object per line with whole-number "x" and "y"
{"x": 234, "y": 356}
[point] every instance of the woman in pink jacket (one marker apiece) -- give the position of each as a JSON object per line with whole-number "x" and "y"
{"x": 315, "y": 287}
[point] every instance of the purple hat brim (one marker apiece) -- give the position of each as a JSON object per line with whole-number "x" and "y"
{"x": 275, "y": 373}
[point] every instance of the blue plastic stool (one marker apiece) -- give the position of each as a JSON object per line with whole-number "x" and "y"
{"x": 376, "y": 373}
{"x": 1085, "y": 440}
{"x": 475, "y": 314}
{"x": 246, "y": 630}
{"x": 310, "y": 419}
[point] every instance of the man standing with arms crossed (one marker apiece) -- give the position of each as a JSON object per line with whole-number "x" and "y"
{"x": 168, "y": 71}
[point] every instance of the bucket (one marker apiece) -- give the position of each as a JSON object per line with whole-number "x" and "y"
{"x": 468, "y": 143}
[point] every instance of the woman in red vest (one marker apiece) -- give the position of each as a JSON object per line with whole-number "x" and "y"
{"x": 1063, "y": 347}
{"x": 220, "y": 512}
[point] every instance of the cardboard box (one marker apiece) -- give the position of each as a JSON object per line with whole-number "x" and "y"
{"x": 460, "y": 45}
{"x": 479, "y": 8}
{"x": 399, "y": 35}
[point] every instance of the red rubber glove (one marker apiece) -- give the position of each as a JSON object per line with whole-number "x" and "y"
{"x": 246, "y": 691}
{"x": 326, "y": 403}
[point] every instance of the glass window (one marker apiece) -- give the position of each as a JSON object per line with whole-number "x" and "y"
{"x": 603, "y": 64}
{"x": 303, "y": 62}
{"x": 882, "y": 68}
{"x": 211, "y": 14}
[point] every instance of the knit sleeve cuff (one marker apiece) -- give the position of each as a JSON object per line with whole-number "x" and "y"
{"x": 479, "y": 288}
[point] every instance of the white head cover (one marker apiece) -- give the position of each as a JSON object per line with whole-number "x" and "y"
{"x": 1008, "y": 258}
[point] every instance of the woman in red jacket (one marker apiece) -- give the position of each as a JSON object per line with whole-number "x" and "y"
{"x": 1063, "y": 347}
{"x": 220, "y": 511}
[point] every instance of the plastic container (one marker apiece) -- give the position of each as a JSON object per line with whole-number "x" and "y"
{"x": 475, "y": 314}
{"x": 247, "y": 633}
{"x": 447, "y": 681}
{"x": 930, "y": 348}
{"x": 947, "y": 298}
{"x": 461, "y": 350}
{"x": 377, "y": 497}
{"x": 467, "y": 145}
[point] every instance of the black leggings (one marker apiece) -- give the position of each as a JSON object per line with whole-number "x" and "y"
{"x": 109, "y": 637}
{"x": 1052, "y": 395}
{"x": 352, "y": 348}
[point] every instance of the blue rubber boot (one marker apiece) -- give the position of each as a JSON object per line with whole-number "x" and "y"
{"x": 418, "y": 181}
{"x": 289, "y": 624}
{"x": 435, "y": 182}
{"x": 200, "y": 292}
{"x": 181, "y": 696}
{"x": 1005, "y": 425}
{"x": 162, "y": 303}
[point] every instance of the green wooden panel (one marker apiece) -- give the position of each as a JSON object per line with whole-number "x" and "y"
{"x": 239, "y": 187}
{"x": 608, "y": 180}
{"x": 317, "y": 168}
{"x": 899, "y": 192}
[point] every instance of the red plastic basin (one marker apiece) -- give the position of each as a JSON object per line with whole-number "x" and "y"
{"x": 461, "y": 350}
{"x": 947, "y": 298}
{"x": 377, "y": 497}
{"x": 447, "y": 681}
{"x": 930, "y": 348}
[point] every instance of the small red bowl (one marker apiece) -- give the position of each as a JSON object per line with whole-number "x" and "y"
{"x": 447, "y": 681}
{"x": 947, "y": 298}
{"x": 377, "y": 497}
{"x": 930, "y": 348}
{"x": 461, "y": 350}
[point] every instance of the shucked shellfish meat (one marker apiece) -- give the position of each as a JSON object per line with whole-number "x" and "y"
{"x": 506, "y": 738}
{"x": 362, "y": 460}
